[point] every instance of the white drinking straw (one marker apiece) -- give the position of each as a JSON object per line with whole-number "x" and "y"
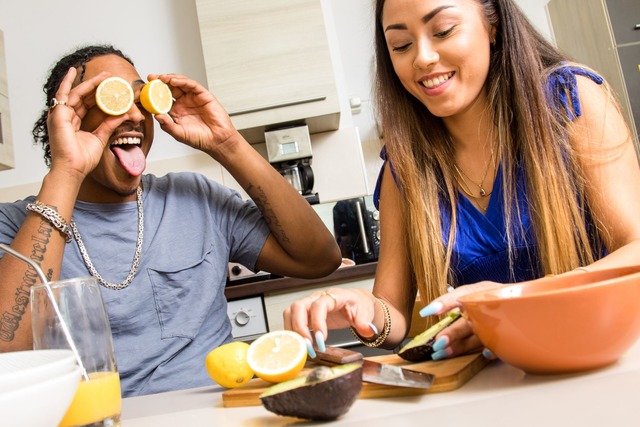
{"x": 63, "y": 324}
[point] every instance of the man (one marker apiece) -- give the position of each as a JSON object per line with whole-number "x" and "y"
{"x": 159, "y": 246}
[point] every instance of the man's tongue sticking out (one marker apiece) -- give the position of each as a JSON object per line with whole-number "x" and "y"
{"x": 131, "y": 158}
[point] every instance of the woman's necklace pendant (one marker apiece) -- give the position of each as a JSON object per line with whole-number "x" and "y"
{"x": 483, "y": 193}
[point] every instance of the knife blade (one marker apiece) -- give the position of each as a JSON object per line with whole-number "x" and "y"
{"x": 375, "y": 372}
{"x": 383, "y": 373}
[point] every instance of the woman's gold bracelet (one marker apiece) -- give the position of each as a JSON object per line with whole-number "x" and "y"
{"x": 377, "y": 341}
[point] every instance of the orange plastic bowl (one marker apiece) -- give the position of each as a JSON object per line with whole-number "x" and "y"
{"x": 561, "y": 324}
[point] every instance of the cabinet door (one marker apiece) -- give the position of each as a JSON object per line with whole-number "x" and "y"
{"x": 276, "y": 303}
{"x": 268, "y": 63}
{"x": 624, "y": 16}
{"x": 630, "y": 64}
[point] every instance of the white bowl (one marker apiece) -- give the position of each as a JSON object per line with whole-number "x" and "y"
{"x": 42, "y": 404}
{"x": 23, "y": 368}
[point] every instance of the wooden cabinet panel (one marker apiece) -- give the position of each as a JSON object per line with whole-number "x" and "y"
{"x": 268, "y": 63}
{"x": 600, "y": 33}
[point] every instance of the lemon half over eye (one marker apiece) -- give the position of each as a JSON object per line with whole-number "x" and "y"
{"x": 114, "y": 96}
{"x": 156, "y": 97}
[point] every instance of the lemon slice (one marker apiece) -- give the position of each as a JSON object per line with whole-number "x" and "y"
{"x": 277, "y": 356}
{"x": 227, "y": 365}
{"x": 156, "y": 97}
{"x": 114, "y": 96}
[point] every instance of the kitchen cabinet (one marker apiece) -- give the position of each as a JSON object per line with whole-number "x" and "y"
{"x": 605, "y": 35}
{"x": 7, "y": 160}
{"x": 269, "y": 63}
{"x": 276, "y": 302}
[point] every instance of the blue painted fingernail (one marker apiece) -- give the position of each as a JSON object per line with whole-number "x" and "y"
{"x": 310, "y": 349}
{"x": 320, "y": 341}
{"x": 441, "y": 343}
{"x": 488, "y": 354}
{"x": 441, "y": 354}
{"x": 373, "y": 328}
{"x": 431, "y": 309}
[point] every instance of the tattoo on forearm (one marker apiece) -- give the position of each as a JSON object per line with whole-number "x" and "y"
{"x": 260, "y": 198}
{"x": 10, "y": 320}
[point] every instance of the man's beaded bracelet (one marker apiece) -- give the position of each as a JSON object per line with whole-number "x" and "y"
{"x": 377, "y": 341}
{"x": 51, "y": 215}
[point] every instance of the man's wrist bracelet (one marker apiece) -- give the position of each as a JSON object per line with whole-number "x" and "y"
{"x": 54, "y": 218}
{"x": 377, "y": 341}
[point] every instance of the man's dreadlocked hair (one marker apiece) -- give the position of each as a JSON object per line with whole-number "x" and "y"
{"x": 76, "y": 59}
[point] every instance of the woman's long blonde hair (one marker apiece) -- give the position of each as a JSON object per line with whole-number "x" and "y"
{"x": 527, "y": 134}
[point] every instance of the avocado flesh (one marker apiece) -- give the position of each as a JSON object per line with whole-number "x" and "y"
{"x": 325, "y": 394}
{"x": 420, "y": 348}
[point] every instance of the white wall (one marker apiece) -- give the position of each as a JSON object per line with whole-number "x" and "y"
{"x": 160, "y": 36}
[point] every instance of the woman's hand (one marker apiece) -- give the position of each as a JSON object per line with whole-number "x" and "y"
{"x": 458, "y": 338}
{"x": 196, "y": 117}
{"x": 333, "y": 308}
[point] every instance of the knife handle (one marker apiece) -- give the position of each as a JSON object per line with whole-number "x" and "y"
{"x": 337, "y": 355}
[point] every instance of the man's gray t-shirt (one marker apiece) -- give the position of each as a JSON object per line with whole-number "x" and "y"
{"x": 174, "y": 312}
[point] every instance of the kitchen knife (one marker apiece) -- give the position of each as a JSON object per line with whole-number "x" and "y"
{"x": 374, "y": 372}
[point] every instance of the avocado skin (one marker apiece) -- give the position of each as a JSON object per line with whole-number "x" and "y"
{"x": 420, "y": 348}
{"x": 419, "y": 353}
{"x": 321, "y": 401}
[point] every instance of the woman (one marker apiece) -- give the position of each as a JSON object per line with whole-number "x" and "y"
{"x": 504, "y": 163}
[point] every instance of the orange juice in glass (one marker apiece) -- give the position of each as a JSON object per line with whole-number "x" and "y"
{"x": 97, "y": 401}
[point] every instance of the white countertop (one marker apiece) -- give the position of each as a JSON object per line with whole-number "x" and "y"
{"x": 499, "y": 395}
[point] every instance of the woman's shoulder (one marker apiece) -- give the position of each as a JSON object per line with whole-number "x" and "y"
{"x": 566, "y": 84}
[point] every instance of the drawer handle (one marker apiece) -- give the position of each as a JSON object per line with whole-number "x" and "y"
{"x": 280, "y": 105}
{"x": 637, "y": 27}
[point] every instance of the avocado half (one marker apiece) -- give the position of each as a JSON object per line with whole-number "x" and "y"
{"x": 324, "y": 394}
{"x": 420, "y": 348}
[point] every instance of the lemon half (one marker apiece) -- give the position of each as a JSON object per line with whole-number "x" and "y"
{"x": 156, "y": 97}
{"x": 277, "y": 356}
{"x": 114, "y": 96}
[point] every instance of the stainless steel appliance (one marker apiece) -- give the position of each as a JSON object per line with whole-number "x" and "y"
{"x": 247, "y": 315}
{"x": 356, "y": 225}
{"x": 289, "y": 151}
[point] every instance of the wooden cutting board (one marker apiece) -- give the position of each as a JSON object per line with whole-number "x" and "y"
{"x": 449, "y": 375}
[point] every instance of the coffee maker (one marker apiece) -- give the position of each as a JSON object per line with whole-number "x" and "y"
{"x": 289, "y": 152}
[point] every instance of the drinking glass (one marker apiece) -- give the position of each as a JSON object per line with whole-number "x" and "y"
{"x": 97, "y": 401}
